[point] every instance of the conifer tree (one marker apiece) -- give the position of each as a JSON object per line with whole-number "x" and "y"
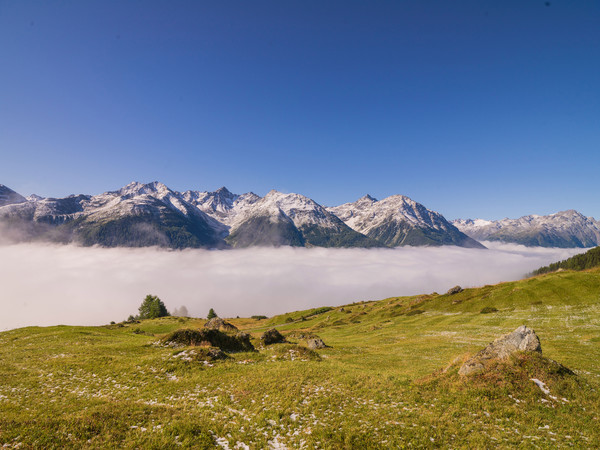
{"x": 152, "y": 307}
{"x": 211, "y": 314}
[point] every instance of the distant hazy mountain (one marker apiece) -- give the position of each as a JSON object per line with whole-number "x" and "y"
{"x": 152, "y": 214}
{"x": 562, "y": 229}
{"x": 398, "y": 220}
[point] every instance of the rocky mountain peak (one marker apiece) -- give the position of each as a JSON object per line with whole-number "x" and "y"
{"x": 8, "y": 196}
{"x": 34, "y": 198}
{"x": 224, "y": 192}
{"x": 366, "y": 198}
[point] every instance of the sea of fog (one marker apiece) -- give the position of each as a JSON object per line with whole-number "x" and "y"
{"x": 51, "y": 285}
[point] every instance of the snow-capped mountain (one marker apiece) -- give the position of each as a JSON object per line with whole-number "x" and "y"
{"x": 221, "y": 204}
{"x": 562, "y": 229}
{"x": 397, "y": 220}
{"x": 292, "y": 219}
{"x": 135, "y": 215}
{"x": 152, "y": 214}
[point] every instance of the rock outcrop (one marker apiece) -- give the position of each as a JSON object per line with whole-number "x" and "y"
{"x": 522, "y": 339}
{"x": 240, "y": 342}
{"x": 272, "y": 336}
{"x": 216, "y": 323}
{"x": 454, "y": 290}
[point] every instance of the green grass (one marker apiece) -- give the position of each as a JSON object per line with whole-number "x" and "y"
{"x": 382, "y": 383}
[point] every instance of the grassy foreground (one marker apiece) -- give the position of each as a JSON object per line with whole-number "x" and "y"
{"x": 380, "y": 385}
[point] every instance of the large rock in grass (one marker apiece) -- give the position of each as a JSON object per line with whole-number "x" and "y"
{"x": 454, "y": 290}
{"x": 315, "y": 343}
{"x": 272, "y": 336}
{"x": 523, "y": 339}
{"x": 216, "y": 323}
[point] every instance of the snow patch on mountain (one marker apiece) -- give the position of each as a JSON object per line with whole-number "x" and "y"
{"x": 477, "y": 223}
{"x": 34, "y": 198}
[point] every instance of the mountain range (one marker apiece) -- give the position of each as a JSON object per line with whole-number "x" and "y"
{"x": 564, "y": 229}
{"x": 139, "y": 215}
{"x": 149, "y": 214}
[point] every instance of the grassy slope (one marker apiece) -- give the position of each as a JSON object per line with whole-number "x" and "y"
{"x": 108, "y": 386}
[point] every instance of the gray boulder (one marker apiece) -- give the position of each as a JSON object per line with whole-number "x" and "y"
{"x": 454, "y": 290}
{"x": 523, "y": 339}
{"x": 272, "y": 336}
{"x": 315, "y": 343}
{"x": 216, "y": 323}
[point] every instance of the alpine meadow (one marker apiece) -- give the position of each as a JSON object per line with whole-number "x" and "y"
{"x": 299, "y": 225}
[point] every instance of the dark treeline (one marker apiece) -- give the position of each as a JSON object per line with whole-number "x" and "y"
{"x": 586, "y": 260}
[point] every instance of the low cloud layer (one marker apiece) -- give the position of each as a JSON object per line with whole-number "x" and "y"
{"x": 51, "y": 285}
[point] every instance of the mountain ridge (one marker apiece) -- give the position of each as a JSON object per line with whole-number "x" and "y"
{"x": 142, "y": 214}
{"x": 394, "y": 219}
{"x": 561, "y": 229}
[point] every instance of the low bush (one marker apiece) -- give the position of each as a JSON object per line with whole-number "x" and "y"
{"x": 321, "y": 310}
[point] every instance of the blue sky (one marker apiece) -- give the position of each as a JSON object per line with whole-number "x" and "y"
{"x": 474, "y": 108}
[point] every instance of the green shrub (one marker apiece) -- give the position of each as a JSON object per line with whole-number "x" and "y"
{"x": 321, "y": 310}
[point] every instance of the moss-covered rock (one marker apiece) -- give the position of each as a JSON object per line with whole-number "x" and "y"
{"x": 272, "y": 336}
{"x": 240, "y": 342}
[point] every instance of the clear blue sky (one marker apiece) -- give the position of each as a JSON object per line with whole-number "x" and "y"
{"x": 474, "y": 108}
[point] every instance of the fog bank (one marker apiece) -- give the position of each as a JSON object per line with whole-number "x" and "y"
{"x": 51, "y": 285}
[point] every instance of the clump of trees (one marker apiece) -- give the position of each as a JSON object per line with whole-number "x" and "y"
{"x": 152, "y": 307}
{"x": 211, "y": 314}
{"x": 583, "y": 261}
